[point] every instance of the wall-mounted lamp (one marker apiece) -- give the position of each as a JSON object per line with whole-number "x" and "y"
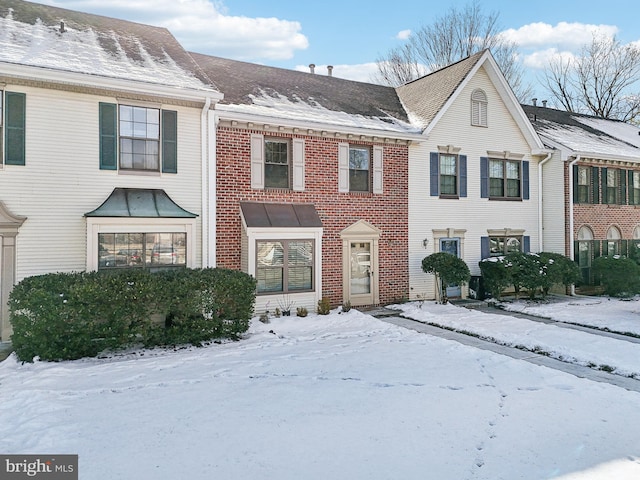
{"x": 425, "y": 242}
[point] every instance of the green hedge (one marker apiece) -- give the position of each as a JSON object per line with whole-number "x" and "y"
{"x": 66, "y": 316}
{"x": 620, "y": 276}
{"x": 531, "y": 272}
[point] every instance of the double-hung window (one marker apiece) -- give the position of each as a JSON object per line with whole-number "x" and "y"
{"x": 583, "y": 184}
{"x": 359, "y": 175}
{"x": 360, "y": 168}
{"x": 504, "y": 179}
{"x": 611, "y": 193}
{"x": 12, "y": 128}
{"x": 284, "y": 266}
{"x": 276, "y": 163}
{"x": 448, "y": 173}
{"x": 634, "y": 187}
{"x": 137, "y": 138}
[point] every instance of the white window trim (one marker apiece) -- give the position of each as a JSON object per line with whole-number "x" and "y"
{"x": 96, "y": 225}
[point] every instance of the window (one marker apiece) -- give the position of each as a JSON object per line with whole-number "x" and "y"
{"x": 479, "y": 108}
{"x": 12, "y": 128}
{"x": 448, "y": 174}
{"x": 499, "y": 246}
{"x": 612, "y": 246}
{"x": 276, "y": 163}
{"x": 583, "y": 184}
{"x": 584, "y": 253}
{"x": 284, "y": 266}
{"x": 504, "y": 179}
{"x": 359, "y": 161}
{"x": 610, "y": 186}
{"x": 134, "y": 138}
{"x": 141, "y": 250}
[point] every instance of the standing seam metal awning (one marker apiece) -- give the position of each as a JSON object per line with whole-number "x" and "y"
{"x": 140, "y": 202}
{"x": 280, "y": 215}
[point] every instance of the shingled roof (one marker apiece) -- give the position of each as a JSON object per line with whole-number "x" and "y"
{"x": 59, "y": 39}
{"x": 585, "y": 134}
{"x": 249, "y": 87}
{"x": 426, "y": 96}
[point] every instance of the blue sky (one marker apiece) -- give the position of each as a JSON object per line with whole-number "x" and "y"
{"x": 351, "y": 35}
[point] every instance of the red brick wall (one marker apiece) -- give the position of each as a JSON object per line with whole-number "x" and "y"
{"x": 388, "y": 211}
{"x": 600, "y": 217}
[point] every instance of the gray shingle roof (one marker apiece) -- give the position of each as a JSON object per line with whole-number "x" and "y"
{"x": 31, "y": 34}
{"x": 239, "y": 81}
{"x": 425, "y": 97}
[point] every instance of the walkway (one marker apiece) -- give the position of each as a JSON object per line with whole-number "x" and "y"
{"x": 392, "y": 316}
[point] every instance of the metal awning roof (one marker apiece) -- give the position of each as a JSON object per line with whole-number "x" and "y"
{"x": 140, "y": 202}
{"x": 280, "y": 215}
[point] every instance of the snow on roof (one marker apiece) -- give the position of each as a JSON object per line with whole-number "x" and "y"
{"x": 281, "y": 107}
{"x": 580, "y": 140}
{"x": 624, "y": 131}
{"x": 89, "y": 49}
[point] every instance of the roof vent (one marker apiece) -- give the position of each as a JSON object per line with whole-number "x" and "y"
{"x": 312, "y": 67}
{"x": 330, "y": 70}
{"x": 535, "y": 101}
{"x": 544, "y": 103}
{"x": 62, "y": 29}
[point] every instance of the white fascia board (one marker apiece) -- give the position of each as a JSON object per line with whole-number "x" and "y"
{"x": 317, "y": 126}
{"x": 48, "y": 75}
{"x": 602, "y": 156}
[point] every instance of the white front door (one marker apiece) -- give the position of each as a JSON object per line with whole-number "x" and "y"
{"x": 361, "y": 274}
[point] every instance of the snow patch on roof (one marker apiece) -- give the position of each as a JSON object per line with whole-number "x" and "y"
{"x": 80, "y": 51}
{"x": 624, "y": 131}
{"x": 581, "y": 140}
{"x": 278, "y": 106}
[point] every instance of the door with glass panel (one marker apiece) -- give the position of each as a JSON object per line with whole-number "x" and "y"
{"x": 361, "y": 273}
{"x": 452, "y": 246}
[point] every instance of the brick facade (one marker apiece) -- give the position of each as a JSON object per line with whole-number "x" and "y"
{"x": 600, "y": 217}
{"x": 388, "y": 211}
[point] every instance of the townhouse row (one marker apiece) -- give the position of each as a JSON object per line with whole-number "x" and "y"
{"x": 119, "y": 149}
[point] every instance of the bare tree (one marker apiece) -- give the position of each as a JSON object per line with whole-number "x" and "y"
{"x": 599, "y": 81}
{"x": 452, "y": 37}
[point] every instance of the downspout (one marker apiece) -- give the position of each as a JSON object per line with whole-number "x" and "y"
{"x": 204, "y": 143}
{"x": 571, "y": 241}
{"x": 213, "y": 188}
{"x": 540, "y": 230}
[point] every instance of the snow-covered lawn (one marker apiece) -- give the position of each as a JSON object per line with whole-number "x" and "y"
{"x": 568, "y": 345}
{"x": 343, "y": 396}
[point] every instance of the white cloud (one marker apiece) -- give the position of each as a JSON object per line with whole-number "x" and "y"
{"x": 403, "y": 34}
{"x": 205, "y": 27}
{"x": 569, "y": 36}
{"x": 539, "y": 59}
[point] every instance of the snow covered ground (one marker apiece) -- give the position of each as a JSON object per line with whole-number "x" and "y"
{"x": 343, "y": 396}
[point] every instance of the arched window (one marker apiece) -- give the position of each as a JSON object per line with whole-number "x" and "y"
{"x": 584, "y": 253}
{"x": 613, "y": 241}
{"x": 479, "y": 108}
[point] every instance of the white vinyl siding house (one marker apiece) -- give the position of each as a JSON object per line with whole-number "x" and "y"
{"x": 472, "y": 218}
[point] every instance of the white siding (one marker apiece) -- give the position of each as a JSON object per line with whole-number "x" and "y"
{"x": 473, "y": 214}
{"x": 61, "y": 180}
{"x": 553, "y": 207}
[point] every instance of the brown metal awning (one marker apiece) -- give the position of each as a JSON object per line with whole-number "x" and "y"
{"x": 280, "y": 215}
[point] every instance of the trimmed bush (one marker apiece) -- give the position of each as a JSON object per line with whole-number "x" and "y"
{"x": 495, "y": 276}
{"x": 558, "y": 270}
{"x": 449, "y": 269}
{"x": 65, "y": 316}
{"x": 620, "y": 276}
{"x": 525, "y": 272}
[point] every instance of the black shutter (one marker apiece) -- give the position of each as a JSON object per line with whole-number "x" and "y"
{"x": 525, "y": 180}
{"x": 575, "y": 184}
{"x": 108, "y": 136}
{"x": 15, "y": 128}
{"x": 484, "y": 177}
{"x": 484, "y": 247}
{"x": 595, "y": 171}
{"x": 434, "y": 164}
{"x": 169, "y": 141}
{"x": 463, "y": 175}
{"x": 622, "y": 178}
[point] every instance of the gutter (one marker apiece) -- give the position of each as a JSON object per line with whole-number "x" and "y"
{"x": 206, "y": 217}
{"x": 540, "y": 219}
{"x": 571, "y": 240}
